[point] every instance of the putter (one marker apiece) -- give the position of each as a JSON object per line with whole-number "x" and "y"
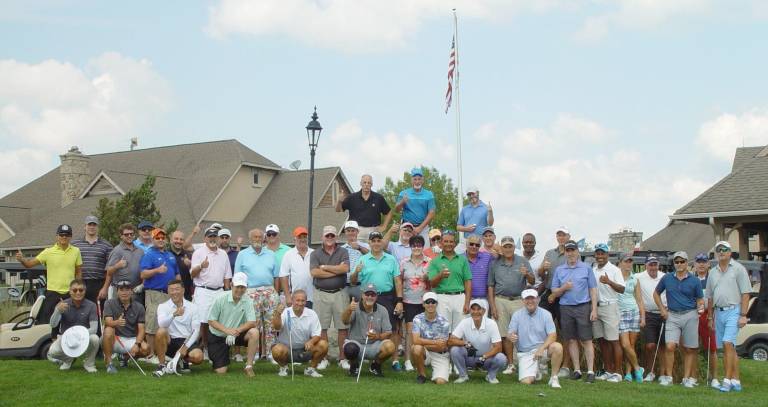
{"x": 707, "y": 352}
{"x": 658, "y": 342}
{"x": 290, "y": 342}
{"x": 129, "y": 355}
{"x": 174, "y": 363}
{"x": 362, "y": 357}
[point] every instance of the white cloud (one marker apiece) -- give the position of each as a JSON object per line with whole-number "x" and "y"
{"x": 47, "y": 107}
{"x": 721, "y": 136}
{"x": 570, "y": 127}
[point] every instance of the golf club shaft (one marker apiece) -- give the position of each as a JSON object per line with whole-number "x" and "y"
{"x": 658, "y": 342}
{"x": 290, "y": 341}
{"x": 362, "y": 358}
{"x": 129, "y": 355}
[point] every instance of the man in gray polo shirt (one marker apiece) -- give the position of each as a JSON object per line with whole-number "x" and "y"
{"x": 510, "y": 274}
{"x": 124, "y": 261}
{"x": 368, "y": 320}
{"x": 94, "y": 250}
{"x": 329, "y": 266}
{"x": 75, "y": 311}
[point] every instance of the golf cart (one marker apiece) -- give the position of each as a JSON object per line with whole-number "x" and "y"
{"x": 23, "y": 335}
{"x": 752, "y": 340}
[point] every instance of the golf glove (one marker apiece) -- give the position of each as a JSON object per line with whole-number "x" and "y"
{"x": 138, "y": 289}
{"x": 231, "y": 340}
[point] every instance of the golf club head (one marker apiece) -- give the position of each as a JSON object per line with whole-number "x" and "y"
{"x": 173, "y": 364}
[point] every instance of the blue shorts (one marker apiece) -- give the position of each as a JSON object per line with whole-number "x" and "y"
{"x": 727, "y": 325}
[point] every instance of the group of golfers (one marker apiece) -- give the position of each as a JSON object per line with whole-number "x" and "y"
{"x": 479, "y": 305}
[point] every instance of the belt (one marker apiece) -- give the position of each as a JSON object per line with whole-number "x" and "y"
{"x": 682, "y": 312}
{"x": 155, "y": 289}
{"x": 726, "y": 308}
{"x": 390, "y": 292}
{"x": 208, "y": 288}
{"x": 508, "y": 297}
{"x": 350, "y": 285}
{"x": 602, "y": 303}
{"x": 452, "y": 293}
{"x": 329, "y": 291}
{"x": 261, "y": 287}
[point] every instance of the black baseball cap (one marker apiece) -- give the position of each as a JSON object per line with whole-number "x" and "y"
{"x": 64, "y": 230}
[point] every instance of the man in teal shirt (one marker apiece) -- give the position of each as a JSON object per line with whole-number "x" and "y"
{"x": 451, "y": 279}
{"x": 417, "y": 204}
{"x": 232, "y": 321}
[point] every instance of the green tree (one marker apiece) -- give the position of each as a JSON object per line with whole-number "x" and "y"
{"x": 440, "y": 185}
{"x": 133, "y": 207}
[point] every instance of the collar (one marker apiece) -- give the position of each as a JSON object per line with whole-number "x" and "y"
{"x": 482, "y": 324}
{"x": 373, "y": 311}
{"x": 422, "y": 262}
{"x": 126, "y": 246}
{"x": 443, "y": 256}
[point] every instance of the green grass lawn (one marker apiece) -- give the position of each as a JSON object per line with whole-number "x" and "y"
{"x": 36, "y": 382}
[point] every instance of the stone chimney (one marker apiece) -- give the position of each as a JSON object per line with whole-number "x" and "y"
{"x": 75, "y": 175}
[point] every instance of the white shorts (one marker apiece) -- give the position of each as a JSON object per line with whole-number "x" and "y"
{"x": 441, "y": 365}
{"x": 125, "y": 347}
{"x": 204, "y": 299}
{"x": 527, "y": 366}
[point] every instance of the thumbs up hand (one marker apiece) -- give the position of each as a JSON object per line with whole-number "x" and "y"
{"x": 205, "y": 263}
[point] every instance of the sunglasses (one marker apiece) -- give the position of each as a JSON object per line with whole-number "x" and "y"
{"x": 146, "y": 229}
{"x": 160, "y": 238}
{"x": 417, "y": 246}
{"x": 128, "y": 234}
{"x": 329, "y": 236}
{"x": 64, "y": 235}
{"x": 430, "y": 302}
{"x": 570, "y": 250}
{"x": 681, "y": 262}
{"x": 723, "y": 250}
{"x": 77, "y": 290}
{"x": 473, "y": 244}
{"x": 369, "y": 294}
{"x": 271, "y": 234}
{"x": 435, "y": 239}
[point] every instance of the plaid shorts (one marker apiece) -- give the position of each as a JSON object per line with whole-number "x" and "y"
{"x": 629, "y": 321}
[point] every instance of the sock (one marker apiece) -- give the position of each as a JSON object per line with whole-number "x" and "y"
{"x": 590, "y": 372}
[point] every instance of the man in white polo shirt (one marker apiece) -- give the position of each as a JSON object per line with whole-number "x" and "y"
{"x": 610, "y": 283}
{"x": 652, "y": 331}
{"x": 294, "y": 269}
{"x": 179, "y": 330}
{"x": 476, "y": 342}
{"x": 211, "y": 274}
{"x": 302, "y": 325}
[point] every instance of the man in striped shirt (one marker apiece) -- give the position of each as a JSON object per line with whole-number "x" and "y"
{"x": 94, "y": 251}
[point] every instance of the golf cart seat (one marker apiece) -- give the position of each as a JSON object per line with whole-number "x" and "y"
{"x": 24, "y": 335}
{"x": 29, "y": 317}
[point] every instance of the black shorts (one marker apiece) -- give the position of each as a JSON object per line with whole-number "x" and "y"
{"x": 553, "y": 308}
{"x": 299, "y": 354}
{"x": 218, "y": 350}
{"x": 652, "y": 330}
{"x": 176, "y": 343}
{"x": 411, "y": 310}
{"x": 388, "y": 301}
{"x": 575, "y": 323}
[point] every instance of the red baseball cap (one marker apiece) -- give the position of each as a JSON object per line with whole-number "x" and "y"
{"x": 300, "y": 230}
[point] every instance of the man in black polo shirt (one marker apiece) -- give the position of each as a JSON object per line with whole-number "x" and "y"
{"x": 75, "y": 311}
{"x": 329, "y": 266}
{"x": 183, "y": 261}
{"x": 94, "y": 251}
{"x": 123, "y": 327}
{"x": 366, "y": 207}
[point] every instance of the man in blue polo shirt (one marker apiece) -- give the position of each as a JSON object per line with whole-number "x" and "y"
{"x": 417, "y": 204}
{"x": 144, "y": 240}
{"x": 260, "y": 265}
{"x": 158, "y": 267}
{"x": 684, "y": 297}
{"x": 475, "y": 216}
{"x": 575, "y": 285}
{"x": 383, "y": 271}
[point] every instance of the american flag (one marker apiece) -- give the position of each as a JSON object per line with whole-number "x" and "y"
{"x": 451, "y": 68}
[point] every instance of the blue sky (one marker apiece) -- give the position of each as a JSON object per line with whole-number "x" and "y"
{"x": 594, "y": 114}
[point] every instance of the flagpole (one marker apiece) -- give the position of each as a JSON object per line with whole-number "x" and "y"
{"x": 459, "y": 194}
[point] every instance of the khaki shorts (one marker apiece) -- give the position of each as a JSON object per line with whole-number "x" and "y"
{"x": 607, "y": 323}
{"x": 329, "y": 308}
{"x": 152, "y": 299}
{"x": 505, "y": 309}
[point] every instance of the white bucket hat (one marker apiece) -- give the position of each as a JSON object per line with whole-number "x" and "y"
{"x": 74, "y": 341}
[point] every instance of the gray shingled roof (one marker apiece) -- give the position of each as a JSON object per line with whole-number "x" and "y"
{"x": 690, "y": 237}
{"x": 189, "y": 177}
{"x": 744, "y": 154}
{"x": 745, "y": 188}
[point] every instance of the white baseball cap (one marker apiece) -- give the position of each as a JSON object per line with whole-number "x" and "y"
{"x": 477, "y": 302}
{"x": 429, "y": 295}
{"x": 272, "y": 228}
{"x": 240, "y": 279}
{"x": 223, "y": 232}
{"x": 563, "y": 229}
{"x": 351, "y": 224}
{"x": 529, "y": 293}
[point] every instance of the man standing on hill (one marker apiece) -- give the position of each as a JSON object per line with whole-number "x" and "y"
{"x": 417, "y": 204}
{"x": 366, "y": 208}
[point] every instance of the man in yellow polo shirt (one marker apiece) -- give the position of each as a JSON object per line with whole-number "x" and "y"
{"x": 62, "y": 262}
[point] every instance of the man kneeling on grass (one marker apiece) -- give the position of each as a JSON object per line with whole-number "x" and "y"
{"x": 300, "y": 331}
{"x": 371, "y": 321}
{"x": 75, "y": 311}
{"x": 123, "y": 327}
{"x": 533, "y": 330}
{"x": 430, "y": 342}
{"x": 232, "y": 321}
{"x": 179, "y": 329}
{"x": 476, "y": 342}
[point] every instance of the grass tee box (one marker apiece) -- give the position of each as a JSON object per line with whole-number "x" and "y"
{"x": 37, "y": 383}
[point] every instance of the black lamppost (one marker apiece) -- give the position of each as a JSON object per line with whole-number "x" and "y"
{"x": 313, "y": 137}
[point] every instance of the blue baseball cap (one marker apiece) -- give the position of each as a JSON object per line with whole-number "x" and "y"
{"x": 417, "y": 171}
{"x": 701, "y": 257}
{"x": 145, "y": 224}
{"x": 601, "y": 246}
{"x": 651, "y": 259}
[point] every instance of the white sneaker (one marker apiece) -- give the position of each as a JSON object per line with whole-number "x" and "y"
{"x": 649, "y": 377}
{"x": 65, "y": 364}
{"x": 90, "y": 369}
{"x": 205, "y": 354}
{"x": 283, "y": 371}
{"x": 613, "y": 378}
{"x": 344, "y": 364}
{"x": 239, "y": 358}
{"x": 455, "y": 370}
{"x": 665, "y": 380}
{"x": 153, "y": 360}
{"x": 564, "y": 373}
{"x": 688, "y": 383}
{"x": 554, "y": 382}
{"x": 409, "y": 366}
{"x": 491, "y": 381}
{"x": 461, "y": 379}
{"x": 509, "y": 370}
{"x": 538, "y": 374}
{"x": 715, "y": 384}
{"x": 311, "y": 372}
{"x": 603, "y": 376}
{"x": 323, "y": 364}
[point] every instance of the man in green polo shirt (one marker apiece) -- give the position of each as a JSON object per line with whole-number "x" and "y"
{"x": 383, "y": 271}
{"x": 62, "y": 263}
{"x": 232, "y": 322}
{"x": 451, "y": 279}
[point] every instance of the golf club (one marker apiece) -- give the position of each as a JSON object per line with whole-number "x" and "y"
{"x": 708, "y": 351}
{"x": 129, "y": 355}
{"x": 362, "y": 356}
{"x": 658, "y": 342}
{"x": 290, "y": 341}
{"x": 173, "y": 364}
